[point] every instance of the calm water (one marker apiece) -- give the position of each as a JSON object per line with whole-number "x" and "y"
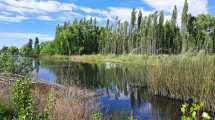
{"x": 123, "y": 86}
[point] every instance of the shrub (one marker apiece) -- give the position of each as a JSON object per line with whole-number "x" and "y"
{"x": 190, "y": 112}
{"x": 23, "y": 99}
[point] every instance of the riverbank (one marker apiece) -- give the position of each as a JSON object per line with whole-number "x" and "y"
{"x": 131, "y": 58}
{"x": 66, "y": 102}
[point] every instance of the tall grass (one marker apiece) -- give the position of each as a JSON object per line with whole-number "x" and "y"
{"x": 66, "y": 103}
{"x": 184, "y": 77}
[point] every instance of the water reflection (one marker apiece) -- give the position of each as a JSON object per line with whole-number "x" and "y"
{"x": 123, "y": 87}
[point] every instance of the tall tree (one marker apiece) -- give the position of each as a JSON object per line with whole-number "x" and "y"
{"x": 174, "y": 47}
{"x": 133, "y": 18}
{"x": 37, "y": 46}
{"x": 161, "y": 40}
{"x": 139, "y": 20}
{"x": 184, "y": 20}
{"x": 184, "y": 23}
{"x": 174, "y": 15}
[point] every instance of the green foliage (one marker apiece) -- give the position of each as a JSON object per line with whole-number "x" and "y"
{"x": 6, "y": 112}
{"x": 144, "y": 34}
{"x": 15, "y": 64}
{"x": 78, "y": 37}
{"x": 190, "y": 112}
{"x": 36, "y": 46}
{"x": 6, "y": 63}
{"x": 10, "y": 50}
{"x": 131, "y": 118}
{"x": 185, "y": 16}
{"x": 27, "y": 50}
{"x": 47, "y": 48}
{"x": 23, "y": 99}
{"x": 97, "y": 116}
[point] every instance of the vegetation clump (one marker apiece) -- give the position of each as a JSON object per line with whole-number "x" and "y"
{"x": 192, "y": 112}
{"x": 23, "y": 99}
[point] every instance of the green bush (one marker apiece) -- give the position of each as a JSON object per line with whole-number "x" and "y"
{"x": 23, "y": 99}
{"x": 97, "y": 116}
{"x": 191, "y": 112}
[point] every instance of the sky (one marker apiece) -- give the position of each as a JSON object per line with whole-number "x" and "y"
{"x": 24, "y": 19}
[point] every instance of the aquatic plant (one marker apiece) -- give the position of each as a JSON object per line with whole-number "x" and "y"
{"x": 131, "y": 118}
{"x": 97, "y": 116}
{"x": 192, "y": 111}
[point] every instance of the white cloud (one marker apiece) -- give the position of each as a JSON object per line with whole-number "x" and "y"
{"x": 111, "y": 13}
{"x": 195, "y": 6}
{"x": 19, "y": 39}
{"x": 92, "y": 10}
{"x": 35, "y": 6}
{"x": 12, "y": 18}
{"x": 123, "y": 13}
{"x": 6, "y": 13}
{"x": 99, "y": 19}
{"x": 69, "y": 15}
{"x": 45, "y": 18}
{"x": 28, "y": 8}
{"x": 25, "y": 35}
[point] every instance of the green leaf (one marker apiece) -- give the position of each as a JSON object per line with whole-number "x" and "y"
{"x": 206, "y": 116}
{"x": 194, "y": 114}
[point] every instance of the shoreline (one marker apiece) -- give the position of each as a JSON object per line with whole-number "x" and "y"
{"x": 76, "y": 102}
{"x": 129, "y": 58}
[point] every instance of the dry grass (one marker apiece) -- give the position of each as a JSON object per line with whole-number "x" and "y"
{"x": 68, "y": 103}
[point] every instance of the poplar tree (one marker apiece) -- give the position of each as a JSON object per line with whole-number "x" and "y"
{"x": 184, "y": 23}
{"x": 37, "y": 46}
{"x": 139, "y": 20}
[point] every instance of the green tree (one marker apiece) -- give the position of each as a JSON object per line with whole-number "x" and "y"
{"x": 47, "y": 48}
{"x": 184, "y": 23}
{"x": 139, "y": 20}
{"x": 36, "y": 46}
{"x": 133, "y": 18}
{"x": 27, "y": 50}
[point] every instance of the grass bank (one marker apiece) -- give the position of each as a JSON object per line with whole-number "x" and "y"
{"x": 131, "y": 58}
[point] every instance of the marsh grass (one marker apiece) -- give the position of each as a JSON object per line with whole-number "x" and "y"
{"x": 184, "y": 77}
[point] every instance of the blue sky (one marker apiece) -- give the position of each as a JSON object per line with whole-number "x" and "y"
{"x": 24, "y": 19}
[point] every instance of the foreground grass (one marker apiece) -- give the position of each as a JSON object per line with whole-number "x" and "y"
{"x": 24, "y": 99}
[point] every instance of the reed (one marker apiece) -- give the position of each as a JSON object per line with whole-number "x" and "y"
{"x": 68, "y": 103}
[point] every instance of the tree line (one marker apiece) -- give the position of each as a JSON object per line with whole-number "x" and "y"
{"x": 143, "y": 34}
{"x": 152, "y": 34}
{"x": 28, "y": 50}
